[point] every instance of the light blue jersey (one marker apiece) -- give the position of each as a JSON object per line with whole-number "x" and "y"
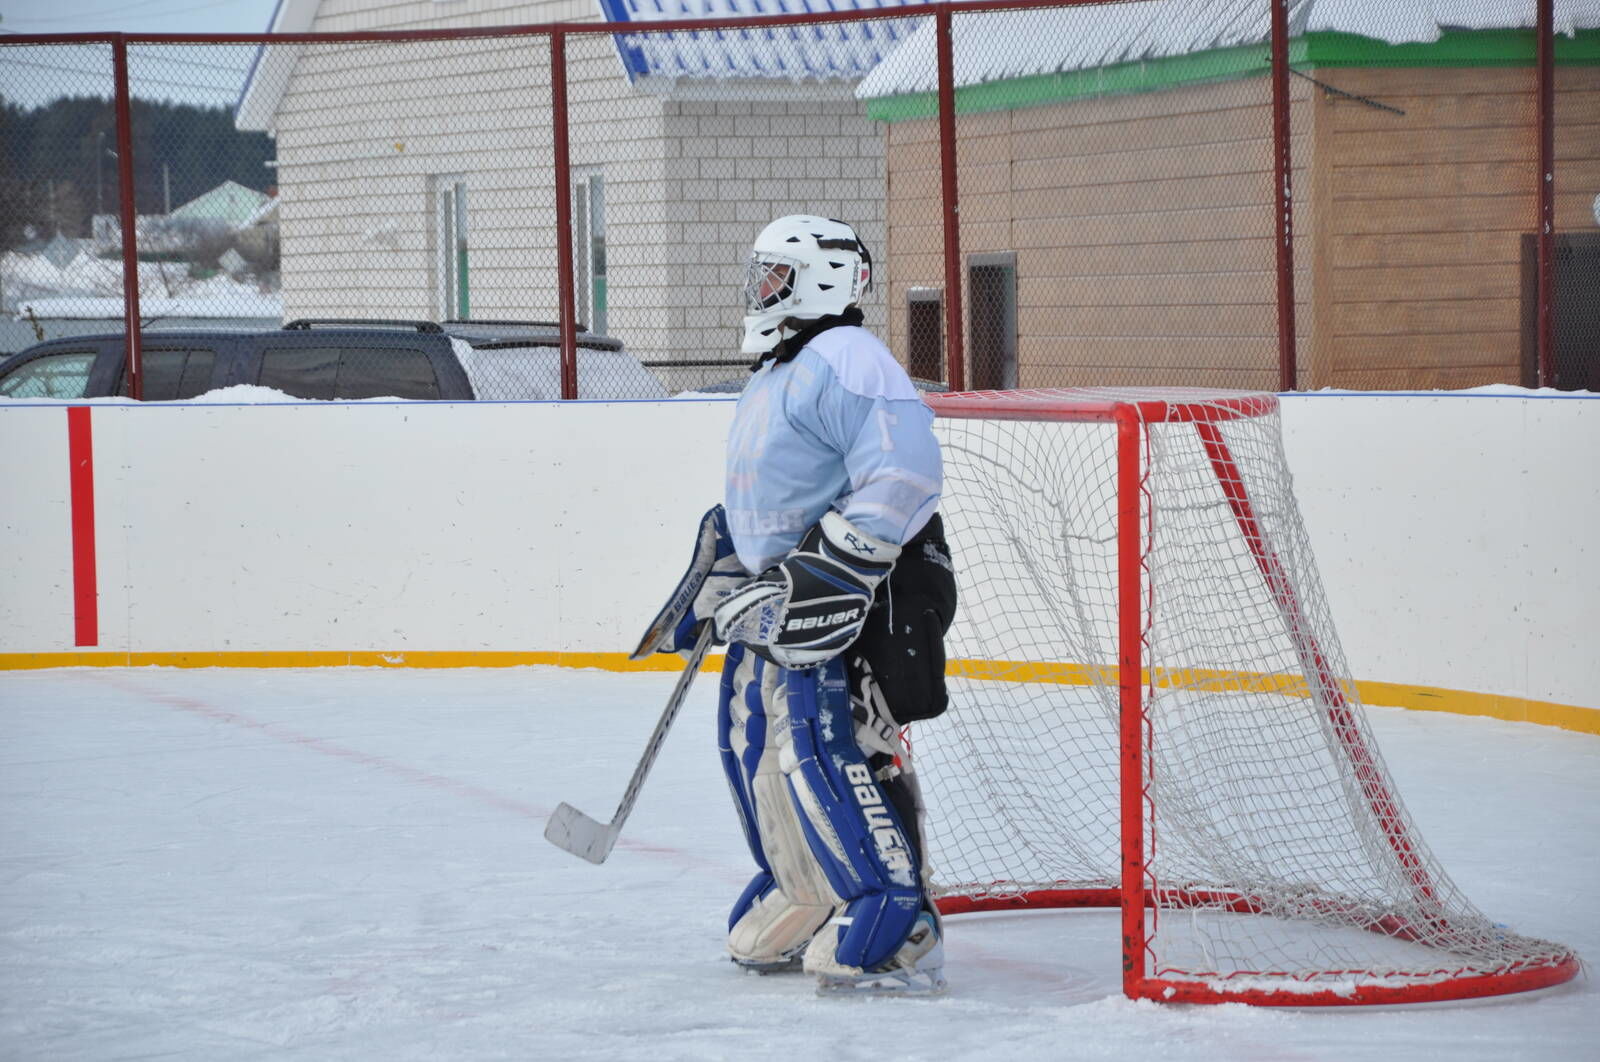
{"x": 839, "y": 426}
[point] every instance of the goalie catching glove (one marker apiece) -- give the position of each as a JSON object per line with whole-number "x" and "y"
{"x": 811, "y": 605}
{"x": 714, "y": 572}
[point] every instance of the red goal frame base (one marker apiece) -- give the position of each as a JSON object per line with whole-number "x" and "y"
{"x": 1295, "y": 992}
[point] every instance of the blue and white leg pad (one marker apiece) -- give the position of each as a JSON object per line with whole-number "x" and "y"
{"x": 837, "y": 869}
{"x": 855, "y": 834}
{"x": 790, "y": 898}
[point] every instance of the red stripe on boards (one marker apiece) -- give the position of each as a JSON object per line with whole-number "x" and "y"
{"x": 85, "y": 594}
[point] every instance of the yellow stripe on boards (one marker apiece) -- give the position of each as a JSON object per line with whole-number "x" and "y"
{"x": 1421, "y": 698}
{"x": 1387, "y": 694}
{"x": 1491, "y": 705}
{"x": 1165, "y": 678}
{"x": 311, "y": 658}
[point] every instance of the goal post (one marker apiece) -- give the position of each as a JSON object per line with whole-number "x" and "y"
{"x": 1150, "y": 710}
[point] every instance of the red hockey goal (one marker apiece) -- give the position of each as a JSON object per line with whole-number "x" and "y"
{"x": 1152, "y": 711}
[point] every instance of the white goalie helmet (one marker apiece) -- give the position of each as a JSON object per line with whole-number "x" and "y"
{"x": 803, "y": 267}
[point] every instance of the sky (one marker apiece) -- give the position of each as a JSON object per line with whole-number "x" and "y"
{"x": 136, "y": 16}
{"x": 203, "y": 75}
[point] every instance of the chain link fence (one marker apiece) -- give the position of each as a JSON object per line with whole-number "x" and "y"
{"x": 58, "y": 189}
{"x": 1054, "y": 195}
{"x": 1573, "y": 342}
{"x": 1426, "y": 208}
{"x": 1117, "y": 217}
{"x": 731, "y": 129}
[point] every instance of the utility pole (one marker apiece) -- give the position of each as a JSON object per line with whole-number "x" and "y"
{"x": 166, "y": 189}
{"x": 99, "y": 153}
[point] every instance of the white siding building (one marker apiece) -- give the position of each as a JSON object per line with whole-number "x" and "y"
{"x": 416, "y": 179}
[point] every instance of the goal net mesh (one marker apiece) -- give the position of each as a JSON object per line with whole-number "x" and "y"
{"x": 1276, "y": 850}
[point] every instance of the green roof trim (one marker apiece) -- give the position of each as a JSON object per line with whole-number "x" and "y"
{"x": 1454, "y": 48}
{"x": 1505, "y": 47}
{"x": 1151, "y": 75}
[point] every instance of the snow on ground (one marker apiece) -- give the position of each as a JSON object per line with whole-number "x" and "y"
{"x": 349, "y": 864}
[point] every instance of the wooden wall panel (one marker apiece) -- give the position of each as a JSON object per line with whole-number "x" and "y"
{"x": 1417, "y": 350}
{"x": 1145, "y": 261}
{"x": 1416, "y": 378}
{"x": 1417, "y": 316}
{"x": 1425, "y": 213}
{"x": 1143, "y": 225}
{"x": 1230, "y": 353}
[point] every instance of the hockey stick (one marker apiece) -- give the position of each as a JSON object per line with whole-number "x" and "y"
{"x": 576, "y": 832}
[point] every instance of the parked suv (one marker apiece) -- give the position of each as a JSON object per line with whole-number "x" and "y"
{"x": 336, "y": 359}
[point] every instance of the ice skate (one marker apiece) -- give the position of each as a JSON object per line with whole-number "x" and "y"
{"x": 782, "y": 964}
{"x": 916, "y": 969}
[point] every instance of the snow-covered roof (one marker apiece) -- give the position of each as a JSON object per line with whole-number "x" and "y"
{"x": 894, "y": 56}
{"x": 1015, "y": 44}
{"x": 839, "y": 53}
{"x": 819, "y": 53}
{"x": 229, "y": 202}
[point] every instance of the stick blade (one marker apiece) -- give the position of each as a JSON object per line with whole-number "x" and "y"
{"x": 573, "y": 831}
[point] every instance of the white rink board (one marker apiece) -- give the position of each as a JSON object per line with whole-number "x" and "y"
{"x": 1454, "y": 530}
{"x": 365, "y": 526}
{"x": 1456, "y": 536}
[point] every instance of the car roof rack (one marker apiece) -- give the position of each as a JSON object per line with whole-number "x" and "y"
{"x": 305, "y": 324}
{"x": 507, "y": 344}
{"x": 578, "y": 325}
{"x": 552, "y": 342}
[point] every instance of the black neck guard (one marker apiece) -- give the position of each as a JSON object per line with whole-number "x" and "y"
{"x": 788, "y": 348}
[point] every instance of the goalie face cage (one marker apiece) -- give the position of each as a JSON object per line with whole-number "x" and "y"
{"x": 1151, "y": 710}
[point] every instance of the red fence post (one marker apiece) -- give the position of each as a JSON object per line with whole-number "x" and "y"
{"x": 955, "y": 363}
{"x": 129, "y": 214}
{"x": 563, "y": 190}
{"x": 1288, "y": 377}
{"x": 1547, "y": 191}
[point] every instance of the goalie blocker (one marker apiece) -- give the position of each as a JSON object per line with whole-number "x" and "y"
{"x": 808, "y": 607}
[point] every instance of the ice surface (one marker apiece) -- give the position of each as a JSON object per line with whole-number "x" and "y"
{"x": 348, "y": 864}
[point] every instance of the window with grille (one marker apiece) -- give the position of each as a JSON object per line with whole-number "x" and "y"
{"x": 1575, "y": 310}
{"x": 589, "y": 248}
{"x": 992, "y": 311}
{"x": 454, "y": 287}
{"x": 925, "y": 333}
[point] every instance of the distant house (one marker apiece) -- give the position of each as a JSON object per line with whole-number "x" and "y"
{"x": 415, "y": 179}
{"x": 75, "y": 286}
{"x": 1116, "y": 183}
{"x": 229, "y": 205}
